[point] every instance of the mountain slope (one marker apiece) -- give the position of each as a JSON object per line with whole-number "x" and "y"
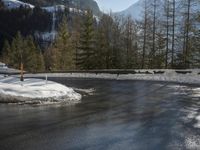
{"x": 81, "y": 4}
{"x": 16, "y": 4}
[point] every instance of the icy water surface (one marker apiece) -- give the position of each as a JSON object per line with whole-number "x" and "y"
{"x": 113, "y": 115}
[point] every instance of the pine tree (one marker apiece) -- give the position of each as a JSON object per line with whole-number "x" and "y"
{"x": 33, "y": 59}
{"x": 50, "y": 58}
{"x": 1, "y": 5}
{"x": 63, "y": 45}
{"x": 60, "y": 55}
{"x": 40, "y": 65}
{"x": 76, "y": 36}
{"x": 104, "y": 34}
{"x": 29, "y": 54}
{"x": 6, "y": 52}
{"x": 86, "y": 53}
{"x": 16, "y": 53}
{"x": 22, "y": 50}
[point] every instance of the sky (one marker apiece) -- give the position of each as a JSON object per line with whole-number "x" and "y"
{"x": 114, "y": 5}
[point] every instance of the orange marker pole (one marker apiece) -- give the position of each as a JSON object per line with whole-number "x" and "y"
{"x": 22, "y": 72}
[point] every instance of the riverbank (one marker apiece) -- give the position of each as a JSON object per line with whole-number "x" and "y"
{"x": 191, "y": 76}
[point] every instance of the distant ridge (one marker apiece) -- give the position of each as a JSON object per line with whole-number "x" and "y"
{"x": 135, "y": 10}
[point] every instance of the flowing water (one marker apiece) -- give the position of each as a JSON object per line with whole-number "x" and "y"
{"x": 113, "y": 115}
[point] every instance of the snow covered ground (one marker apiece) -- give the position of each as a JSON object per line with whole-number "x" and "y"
{"x": 37, "y": 91}
{"x": 168, "y": 76}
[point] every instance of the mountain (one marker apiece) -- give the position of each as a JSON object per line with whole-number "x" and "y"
{"x": 30, "y": 24}
{"x": 134, "y": 10}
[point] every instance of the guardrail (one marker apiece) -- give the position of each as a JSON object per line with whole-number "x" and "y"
{"x": 121, "y": 71}
{"x": 9, "y": 72}
{"x": 112, "y": 71}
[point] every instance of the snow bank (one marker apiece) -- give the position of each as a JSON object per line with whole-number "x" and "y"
{"x": 90, "y": 91}
{"x": 35, "y": 91}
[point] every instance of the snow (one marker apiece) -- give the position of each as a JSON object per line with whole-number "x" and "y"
{"x": 35, "y": 91}
{"x": 12, "y": 4}
{"x": 54, "y": 8}
{"x": 3, "y": 66}
{"x": 90, "y": 91}
{"x": 57, "y": 8}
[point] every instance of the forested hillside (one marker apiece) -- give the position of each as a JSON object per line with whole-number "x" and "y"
{"x": 27, "y": 21}
{"x": 84, "y": 42}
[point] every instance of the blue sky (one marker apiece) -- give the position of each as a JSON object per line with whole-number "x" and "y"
{"x": 114, "y": 5}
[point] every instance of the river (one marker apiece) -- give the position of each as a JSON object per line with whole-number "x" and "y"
{"x": 113, "y": 115}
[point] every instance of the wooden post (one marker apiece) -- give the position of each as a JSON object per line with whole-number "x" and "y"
{"x": 22, "y": 72}
{"x": 46, "y": 79}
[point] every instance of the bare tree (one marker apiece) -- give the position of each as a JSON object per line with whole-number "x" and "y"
{"x": 145, "y": 34}
{"x": 167, "y": 14}
{"x": 130, "y": 43}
